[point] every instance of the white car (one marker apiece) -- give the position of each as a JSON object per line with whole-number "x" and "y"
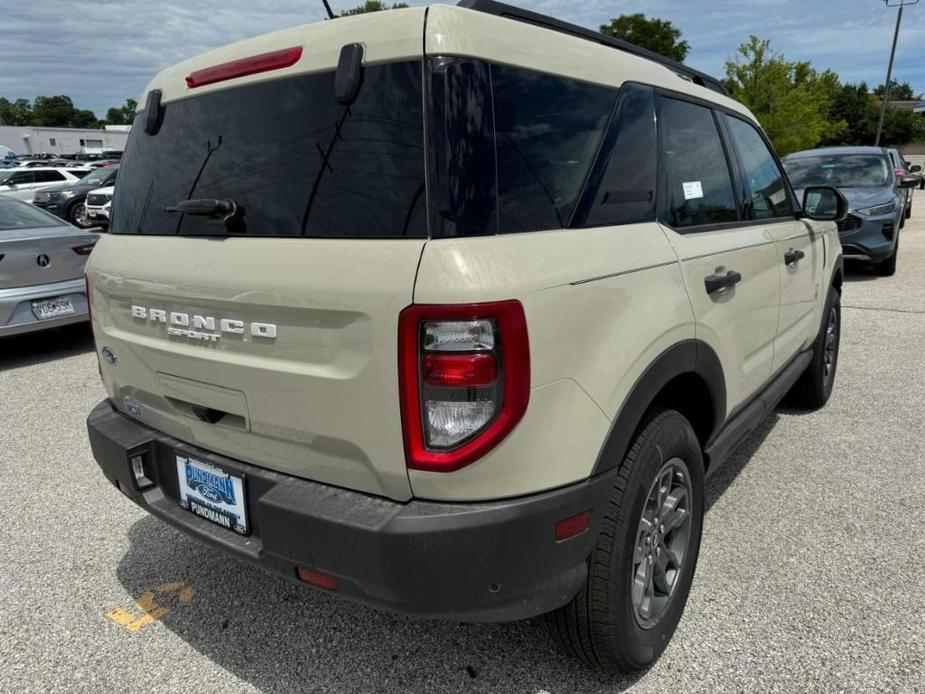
{"x": 22, "y": 182}
{"x": 97, "y": 205}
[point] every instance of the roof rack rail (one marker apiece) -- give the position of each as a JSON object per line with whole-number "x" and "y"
{"x": 501, "y": 9}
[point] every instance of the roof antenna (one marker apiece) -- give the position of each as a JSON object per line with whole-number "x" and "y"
{"x": 327, "y": 6}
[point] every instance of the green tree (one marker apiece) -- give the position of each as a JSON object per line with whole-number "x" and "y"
{"x": 792, "y": 100}
{"x": 657, "y": 35}
{"x": 898, "y": 92}
{"x": 122, "y": 115}
{"x": 372, "y": 6}
{"x": 84, "y": 119}
{"x": 17, "y": 112}
{"x": 53, "y": 111}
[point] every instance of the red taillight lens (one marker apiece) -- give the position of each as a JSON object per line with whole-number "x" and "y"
{"x": 246, "y": 66}
{"x": 83, "y": 250}
{"x": 460, "y": 370}
{"x": 464, "y": 375}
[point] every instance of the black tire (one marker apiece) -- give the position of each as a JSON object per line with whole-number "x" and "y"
{"x": 601, "y": 626}
{"x": 909, "y": 211}
{"x": 814, "y": 386}
{"x": 887, "y": 268}
{"x": 75, "y": 216}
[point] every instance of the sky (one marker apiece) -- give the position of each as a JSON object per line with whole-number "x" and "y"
{"x": 109, "y": 49}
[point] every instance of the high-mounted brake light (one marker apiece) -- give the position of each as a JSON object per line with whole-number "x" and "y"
{"x": 464, "y": 375}
{"x": 264, "y": 62}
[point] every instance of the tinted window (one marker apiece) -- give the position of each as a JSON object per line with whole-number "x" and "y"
{"x": 294, "y": 160}
{"x": 22, "y": 177}
{"x": 767, "y": 194}
{"x": 48, "y": 176}
{"x": 547, "y": 132}
{"x": 839, "y": 170}
{"x": 621, "y": 189}
{"x": 699, "y": 185}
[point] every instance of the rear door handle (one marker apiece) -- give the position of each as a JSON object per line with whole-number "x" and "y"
{"x": 792, "y": 256}
{"x": 719, "y": 283}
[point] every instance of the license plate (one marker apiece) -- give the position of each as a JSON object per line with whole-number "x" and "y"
{"x": 212, "y": 493}
{"x": 53, "y": 308}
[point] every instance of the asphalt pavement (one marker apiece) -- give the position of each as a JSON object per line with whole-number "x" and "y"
{"x": 810, "y": 576}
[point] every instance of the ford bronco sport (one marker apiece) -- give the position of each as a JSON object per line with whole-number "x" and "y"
{"x": 450, "y": 310}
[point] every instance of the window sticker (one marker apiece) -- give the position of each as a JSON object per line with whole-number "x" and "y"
{"x": 693, "y": 190}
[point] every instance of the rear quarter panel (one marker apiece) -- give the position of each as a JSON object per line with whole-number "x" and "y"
{"x": 601, "y": 305}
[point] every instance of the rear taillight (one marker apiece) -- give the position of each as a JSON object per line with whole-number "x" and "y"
{"x": 464, "y": 374}
{"x": 264, "y": 62}
{"x": 83, "y": 250}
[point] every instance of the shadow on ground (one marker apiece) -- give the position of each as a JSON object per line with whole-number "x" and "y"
{"x": 45, "y": 346}
{"x": 283, "y": 637}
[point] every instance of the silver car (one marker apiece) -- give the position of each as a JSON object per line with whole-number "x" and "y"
{"x": 42, "y": 262}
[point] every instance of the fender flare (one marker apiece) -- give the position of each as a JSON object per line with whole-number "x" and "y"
{"x": 689, "y": 356}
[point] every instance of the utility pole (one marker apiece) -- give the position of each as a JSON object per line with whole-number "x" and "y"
{"x": 901, "y": 4}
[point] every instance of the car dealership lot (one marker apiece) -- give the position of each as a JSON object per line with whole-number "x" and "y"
{"x": 809, "y": 575}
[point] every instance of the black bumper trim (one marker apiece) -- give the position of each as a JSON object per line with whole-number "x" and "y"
{"x": 486, "y": 561}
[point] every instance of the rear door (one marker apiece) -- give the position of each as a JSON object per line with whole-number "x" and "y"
{"x": 730, "y": 265}
{"x": 768, "y": 202}
{"x": 22, "y": 185}
{"x": 280, "y": 321}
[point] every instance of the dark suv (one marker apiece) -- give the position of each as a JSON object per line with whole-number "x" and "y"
{"x": 67, "y": 200}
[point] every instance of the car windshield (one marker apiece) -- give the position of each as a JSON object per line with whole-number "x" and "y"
{"x": 20, "y": 215}
{"x": 839, "y": 170}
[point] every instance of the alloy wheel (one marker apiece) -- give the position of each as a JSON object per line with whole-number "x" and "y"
{"x": 662, "y": 542}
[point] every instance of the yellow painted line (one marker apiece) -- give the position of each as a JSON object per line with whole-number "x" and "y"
{"x": 149, "y": 610}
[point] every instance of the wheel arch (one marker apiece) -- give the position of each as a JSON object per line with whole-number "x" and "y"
{"x": 682, "y": 377}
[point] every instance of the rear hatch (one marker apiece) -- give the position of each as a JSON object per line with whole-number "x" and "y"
{"x": 269, "y": 334}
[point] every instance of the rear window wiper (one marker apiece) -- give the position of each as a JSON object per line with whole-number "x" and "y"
{"x": 226, "y": 211}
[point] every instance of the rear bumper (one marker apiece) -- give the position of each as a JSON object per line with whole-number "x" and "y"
{"x": 16, "y": 316}
{"x": 491, "y": 561}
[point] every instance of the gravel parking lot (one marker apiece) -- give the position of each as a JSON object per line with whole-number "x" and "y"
{"x": 810, "y": 576}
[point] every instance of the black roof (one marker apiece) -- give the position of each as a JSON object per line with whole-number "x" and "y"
{"x": 502, "y": 10}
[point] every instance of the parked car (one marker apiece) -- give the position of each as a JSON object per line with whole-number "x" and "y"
{"x": 472, "y": 365}
{"x": 97, "y": 205}
{"x": 42, "y": 262}
{"x": 44, "y": 163}
{"x": 22, "y": 183}
{"x": 66, "y": 200}
{"x": 867, "y": 177}
{"x": 902, "y": 169}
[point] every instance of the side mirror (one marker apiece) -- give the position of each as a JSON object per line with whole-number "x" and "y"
{"x": 915, "y": 169}
{"x": 824, "y": 204}
{"x": 909, "y": 181}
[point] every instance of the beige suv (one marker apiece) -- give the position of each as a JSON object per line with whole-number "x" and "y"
{"x": 450, "y": 310}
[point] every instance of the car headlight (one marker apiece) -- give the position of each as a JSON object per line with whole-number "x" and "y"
{"x": 67, "y": 195}
{"x": 877, "y": 209}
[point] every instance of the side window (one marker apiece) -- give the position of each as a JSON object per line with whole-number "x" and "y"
{"x": 764, "y": 181}
{"x": 699, "y": 185}
{"x": 23, "y": 177}
{"x": 621, "y": 189}
{"x": 48, "y": 176}
{"x": 547, "y": 132}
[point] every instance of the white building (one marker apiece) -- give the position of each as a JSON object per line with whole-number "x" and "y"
{"x": 30, "y": 140}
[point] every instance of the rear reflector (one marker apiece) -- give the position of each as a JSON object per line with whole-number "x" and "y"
{"x": 246, "y": 66}
{"x": 575, "y": 525}
{"x": 316, "y": 578}
{"x": 460, "y": 370}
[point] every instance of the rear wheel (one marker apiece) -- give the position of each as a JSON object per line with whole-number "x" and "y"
{"x": 814, "y": 387}
{"x": 640, "y": 572}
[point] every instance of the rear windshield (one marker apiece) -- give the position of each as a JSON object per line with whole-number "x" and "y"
{"x": 839, "y": 170}
{"x": 293, "y": 160}
{"x": 15, "y": 214}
